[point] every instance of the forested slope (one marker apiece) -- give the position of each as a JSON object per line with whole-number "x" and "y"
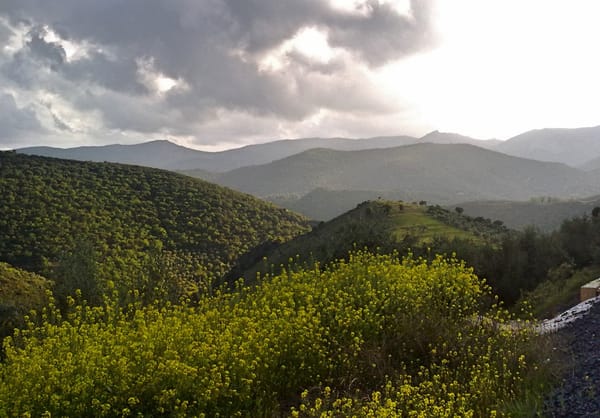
{"x": 126, "y": 225}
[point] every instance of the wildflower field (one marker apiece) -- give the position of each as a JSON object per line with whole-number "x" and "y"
{"x": 372, "y": 336}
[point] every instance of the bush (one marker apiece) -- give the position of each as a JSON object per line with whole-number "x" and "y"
{"x": 375, "y": 324}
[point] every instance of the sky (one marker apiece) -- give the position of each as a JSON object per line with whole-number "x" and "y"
{"x": 218, "y": 74}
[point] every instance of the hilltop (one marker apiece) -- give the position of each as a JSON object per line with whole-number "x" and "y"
{"x": 377, "y": 225}
{"x": 136, "y": 225}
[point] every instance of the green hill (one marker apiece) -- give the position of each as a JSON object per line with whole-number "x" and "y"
{"x": 383, "y": 225}
{"x": 440, "y": 173}
{"x": 136, "y": 225}
{"x": 323, "y": 204}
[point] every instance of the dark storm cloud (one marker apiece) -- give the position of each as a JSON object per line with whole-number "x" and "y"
{"x": 98, "y": 68}
{"x": 212, "y": 46}
{"x": 16, "y": 122}
{"x": 51, "y": 52}
{"x": 5, "y": 33}
{"x": 385, "y": 34}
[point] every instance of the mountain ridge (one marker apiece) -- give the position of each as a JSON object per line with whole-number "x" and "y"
{"x": 438, "y": 172}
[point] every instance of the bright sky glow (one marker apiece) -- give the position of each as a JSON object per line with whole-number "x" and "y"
{"x": 504, "y": 67}
{"x": 309, "y": 42}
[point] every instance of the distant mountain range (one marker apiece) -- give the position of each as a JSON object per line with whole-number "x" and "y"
{"x": 441, "y": 173}
{"x": 575, "y": 147}
{"x": 169, "y": 156}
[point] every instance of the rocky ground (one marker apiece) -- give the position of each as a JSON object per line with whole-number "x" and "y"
{"x": 578, "y": 394}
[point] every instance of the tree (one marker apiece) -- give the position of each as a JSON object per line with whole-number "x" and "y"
{"x": 78, "y": 270}
{"x": 459, "y": 210}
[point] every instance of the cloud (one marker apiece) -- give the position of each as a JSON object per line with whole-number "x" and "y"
{"x": 50, "y": 52}
{"x": 93, "y": 55}
{"x": 5, "y": 33}
{"x": 16, "y": 122}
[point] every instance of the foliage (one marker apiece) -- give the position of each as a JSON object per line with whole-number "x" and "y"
{"x": 135, "y": 221}
{"x": 379, "y": 225}
{"x": 20, "y": 292}
{"x": 377, "y": 335}
{"x": 559, "y": 292}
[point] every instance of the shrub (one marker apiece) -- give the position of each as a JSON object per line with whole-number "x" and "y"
{"x": 377, "y": 333}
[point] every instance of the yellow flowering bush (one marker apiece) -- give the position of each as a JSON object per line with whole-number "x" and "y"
{"x": 373, "y": 336}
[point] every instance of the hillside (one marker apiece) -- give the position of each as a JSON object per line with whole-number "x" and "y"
{"x": 439, "y": 173}
{"x": 546, "y": 214}
{"x": 593, "y": 166}
{"x": 135, "y": 224}
{"x": 20, "y": 291}
{"x": 574, "y": 147}
{"x": 384, "y": 225}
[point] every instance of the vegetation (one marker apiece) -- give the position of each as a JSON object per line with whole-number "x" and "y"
{"x": 97, "y": 226}
{"x": 559, "y": 292}
{"x": 20, "y": 292}
{"x": 545, "y": 213}
{"x": 381, "y": 226}
{"x": 139, "y": 326}
{"x": 374, "y": 335}
{"x": 513, "y": 262}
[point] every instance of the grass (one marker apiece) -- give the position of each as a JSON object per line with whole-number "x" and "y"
{"x": 413, "y": 220}
{"x": 559, "y": 293}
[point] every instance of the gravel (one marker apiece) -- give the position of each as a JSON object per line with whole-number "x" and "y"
{"x": 578, "y": 394}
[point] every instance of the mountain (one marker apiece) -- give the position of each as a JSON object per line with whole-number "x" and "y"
{"x": 135, "y": 224}
{"x": 547, "y": 214}
{"x": 169, "y": 156}
{"x": 441, "y": 173}
{"x": 437, "y": 137}
{"x": 592, "y": 165}
{"x": 574, "y": 147}
{"x": 157, "y": 154}
{"x": 271, "y": 151}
